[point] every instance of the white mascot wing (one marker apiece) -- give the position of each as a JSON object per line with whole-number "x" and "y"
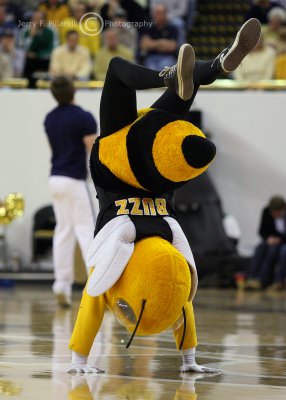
{"x": 109, "y": 254}
{"x": 181, "y": 243}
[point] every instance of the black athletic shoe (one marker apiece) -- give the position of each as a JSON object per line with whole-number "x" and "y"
{"x": 179, "y": 77}
{"x": 246, "y": 40}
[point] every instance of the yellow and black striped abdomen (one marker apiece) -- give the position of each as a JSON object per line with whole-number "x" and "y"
{"x": 113, "y": 155}
{"x": 157, "y": 153}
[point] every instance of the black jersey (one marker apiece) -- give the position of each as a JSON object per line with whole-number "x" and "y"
{"x": 146, "y": 211}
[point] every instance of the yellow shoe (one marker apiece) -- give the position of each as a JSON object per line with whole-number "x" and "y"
{"x": 253, "y": 284}
{"x": 63, "y": 300}
{"x": 276, "y": 287}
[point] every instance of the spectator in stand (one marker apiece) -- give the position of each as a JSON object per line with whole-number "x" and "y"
{"x": 159, "y": 43}
{"x": 14, "y": 12}
{"x": 280, "y": 69}
{"x": 14, "y": 56}
{"x": 281, "y": 3}
{"x": 6, "y": 71}
{"x": 5, "y": 23}
{"x": 38, "y": 40}
{"x": 84, "y": 26}
{"x": 55, "y": 12}
{"x": 272, "y": 31}
{"x": 272, "y": 249}
{"x": 71, "y": 59}
{"x": 127, "y": 34}
{"x": 258, "y": 65}
{"x": 109, "y": 9}
{"x": 260, "y": 10}
{"x": 93, "y": 5}
{"x": 177, "y": 13}
{"x": 135, "y": 12}
{"x": 112, "y": 48}
{"x": 281, "y": 45}
{"x": 191, "y": 14}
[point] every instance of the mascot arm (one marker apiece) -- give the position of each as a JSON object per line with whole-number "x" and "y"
{"x": 109, "y": 253}
{"x": 88, "y": 323}
{"x": 190, "y": 340}
{"x": 181, "y": 243}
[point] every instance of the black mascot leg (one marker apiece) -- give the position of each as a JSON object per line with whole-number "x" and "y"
{"x": 118, "y": 106}
{"x": 205, "y": 73}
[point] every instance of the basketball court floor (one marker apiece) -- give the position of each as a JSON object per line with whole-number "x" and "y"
{"x": 243, "y": 334}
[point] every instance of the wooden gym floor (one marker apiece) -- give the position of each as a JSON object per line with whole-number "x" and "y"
{"x": 244, "y": 334}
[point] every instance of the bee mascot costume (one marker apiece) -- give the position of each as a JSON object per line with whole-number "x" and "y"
{"x": 142, "y": 267}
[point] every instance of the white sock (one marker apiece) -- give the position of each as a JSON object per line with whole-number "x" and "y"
{"x": 189, "y": 356}
{"x": 78, "y": 359}
{"x": 190, "y": 365}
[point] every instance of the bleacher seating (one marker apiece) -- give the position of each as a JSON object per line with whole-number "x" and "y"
{"x": 216, "y": 26}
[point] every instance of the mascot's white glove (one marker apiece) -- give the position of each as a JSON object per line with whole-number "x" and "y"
{"x": 80, "y": 366}
{"x": 190, "y": 365}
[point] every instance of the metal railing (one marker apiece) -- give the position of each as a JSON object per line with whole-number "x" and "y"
{"x": 14, "y": 83}
{"x": 220, "y": 84}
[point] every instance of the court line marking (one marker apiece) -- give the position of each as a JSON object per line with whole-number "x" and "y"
{"x": 199, "y": 381}
{"x": 217, "y": 365}
{"x": 145, "y": 338}
{"x": 225, "y": 373}
{"x": 199, "y": 353}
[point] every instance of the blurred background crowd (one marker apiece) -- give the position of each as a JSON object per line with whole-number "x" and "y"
{"x": 56, "y": 37}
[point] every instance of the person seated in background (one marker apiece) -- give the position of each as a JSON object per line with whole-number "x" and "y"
{"x": 258, "y": 65}
{"x": 38, "y": 40}
{"x": 55, "y": 11}
{"x": 111, "y": 48}
{"x": 6, "y": 71}
{"x": 135, "y": 12}
{"x": 87, "y": 28}
{"x": 259, "y": 9}
{"x": 108, "y": 10}
{"x": 5, "y": 23}
{"x": 15, "y": 57}
{"x": 272, "y": 31}
{"x": 191, "y": 14}
{"x": 281, "y": 3}
{"x": 280, "y": 67}
{"x": 160, "y": 42}
{"x": 71, "y": 59}
{"x": 281, "y": 43}
{"x": 93, "y": 5}
{"x": 13, "y": 11}
{"x": 127, "y": 34}
{"x": 177, "y": 13}
{"x": 272, "y": 249}
{"x": 280, "y": 272}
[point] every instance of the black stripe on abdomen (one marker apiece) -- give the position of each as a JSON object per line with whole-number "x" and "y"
{"x": 140, "y": 141}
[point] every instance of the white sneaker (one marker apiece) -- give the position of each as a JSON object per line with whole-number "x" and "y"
{"x": 63, "y": 291}
{"x": 246, "y": 40}
{"x": 179, "y": 77}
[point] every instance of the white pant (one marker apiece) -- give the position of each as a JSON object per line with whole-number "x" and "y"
{"x": 74, "y": 220}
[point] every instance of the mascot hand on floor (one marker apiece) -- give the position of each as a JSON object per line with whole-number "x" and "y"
{"x": 142, "y": 267}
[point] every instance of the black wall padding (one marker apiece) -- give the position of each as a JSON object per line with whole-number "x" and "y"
{"x": 200, "y": 214}
{"x": 44, "y": 218}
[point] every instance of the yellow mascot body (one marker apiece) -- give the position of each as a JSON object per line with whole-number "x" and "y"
{"x": 142, "y": 267}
